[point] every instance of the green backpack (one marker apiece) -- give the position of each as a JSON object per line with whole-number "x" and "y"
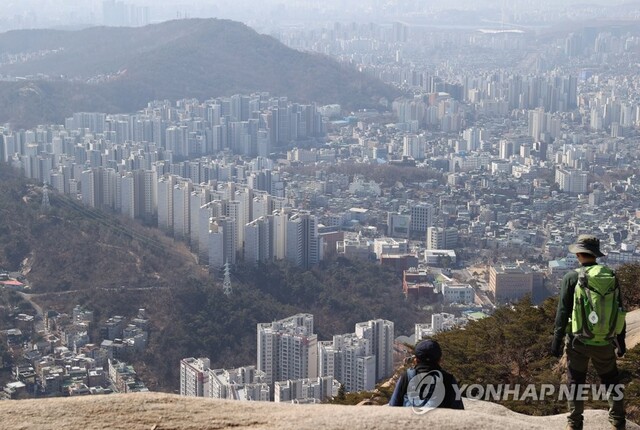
{"x": 597, "y": 316}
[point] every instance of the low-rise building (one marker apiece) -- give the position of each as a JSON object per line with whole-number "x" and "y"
{"x": 458, "y": 293}
{"x": 510, "y": 282}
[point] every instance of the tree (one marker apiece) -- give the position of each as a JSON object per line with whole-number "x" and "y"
{"x": 629, "y": 278}
{"x": 342, "y": 394}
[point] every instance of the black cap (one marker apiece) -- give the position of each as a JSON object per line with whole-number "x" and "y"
{"x": 428, "y": 350}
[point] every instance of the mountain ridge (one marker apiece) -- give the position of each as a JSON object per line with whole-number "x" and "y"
{"x": 120, "y": 69}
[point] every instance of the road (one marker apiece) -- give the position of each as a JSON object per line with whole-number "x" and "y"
{"x": 39, "y": 321}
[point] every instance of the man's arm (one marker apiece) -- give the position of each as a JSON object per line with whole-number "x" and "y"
{"x": 621, "y": 346}
{"x": 565, "y": 307}
{"x": 397, "y": 398}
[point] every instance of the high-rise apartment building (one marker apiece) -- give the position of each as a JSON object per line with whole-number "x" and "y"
{"x": 165, "y": 202}
{"x": 149, "y": 209}
{"x": 194, "y": 376}
{"x": 349, "y": 359}
{"x": 222, "y": 242}
{"x": 287, "y": 349}
{"x": 198, "y": 198}
{"x": 181, "y": 212}
{"x": 279, "y": 231}
{"x": 87, "y": 184}
{"x": 128, "y": 202}
{"x": 572, "y": 181}
{"x": 205, "y": 213}
{"x": 257, "y": 241}
{"x": 303, "y": 243}
{"x": 380, "y": 335}
{"x": 473, "y": 136}
{"x": 414, "y": 146}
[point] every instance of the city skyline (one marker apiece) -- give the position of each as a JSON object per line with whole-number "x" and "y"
{"x": 279, "y": 218}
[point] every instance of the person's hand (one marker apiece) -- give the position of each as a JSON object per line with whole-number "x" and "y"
{"x": 621, "y": 348}
{"x": 557, "y": 347}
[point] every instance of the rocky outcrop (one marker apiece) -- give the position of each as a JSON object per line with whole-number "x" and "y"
{"x": 152, "y": 411}
{"x": 633, "y": 328}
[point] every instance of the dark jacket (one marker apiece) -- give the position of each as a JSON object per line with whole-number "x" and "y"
{"x": 565, "y": 305}
{"x": 450, "y": 401}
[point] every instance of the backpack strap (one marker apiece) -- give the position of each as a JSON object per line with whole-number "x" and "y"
{"x": 582, "y": 283}
{"x": 616, "y": 305}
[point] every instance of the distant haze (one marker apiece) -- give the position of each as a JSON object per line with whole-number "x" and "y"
{"x": 16, "y": 14}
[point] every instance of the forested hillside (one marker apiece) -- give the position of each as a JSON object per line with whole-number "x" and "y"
{"x": 119, "y": 69}
{"x": 71, "y": 256}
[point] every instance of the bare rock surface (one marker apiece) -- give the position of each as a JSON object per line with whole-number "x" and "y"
{"x": 155, "y": 411}
{"x": 633, "y": 328}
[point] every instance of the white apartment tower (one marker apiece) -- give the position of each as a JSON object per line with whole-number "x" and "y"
{"x": 261, "y": 205}
{"x": 197, "y": 199}
{"x": 109, "y": 188}
{"x": 348, "y": 359}
{"x": 380, "y": 335}
{"x": 150, "y": 187}
{"x": 165, "y": 202}
{"x": 572, "y": 181}
{"x": 279, "y": 230}
{"x": 257, "y": 246}
{"x": 303, "y": 243}
{"x": 87, "y": 183}
{"x": 414, "y": 146}
{"x": 205, "y": 213}
{"x": 127, "y": 190}
{"x": 234, "y": 212}
{"x": 287, "y": 349}
{"x": 222, "y": 243}
{"x": 216, "y": 245}
{"x": 181, "y": 219}
{"x": 194, "y": 376}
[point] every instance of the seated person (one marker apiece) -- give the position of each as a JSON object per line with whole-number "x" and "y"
{"x": 426, "y": 384}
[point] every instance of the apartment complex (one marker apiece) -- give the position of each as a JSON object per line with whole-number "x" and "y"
{"x": 287, "y": 349}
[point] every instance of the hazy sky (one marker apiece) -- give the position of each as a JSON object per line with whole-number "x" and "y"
{"x": 38, "y": 13}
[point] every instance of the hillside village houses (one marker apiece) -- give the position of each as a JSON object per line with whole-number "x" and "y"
{"x": 64, "y": 358}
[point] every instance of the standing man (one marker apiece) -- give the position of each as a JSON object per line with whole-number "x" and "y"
{"x": 590, "y": 313}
